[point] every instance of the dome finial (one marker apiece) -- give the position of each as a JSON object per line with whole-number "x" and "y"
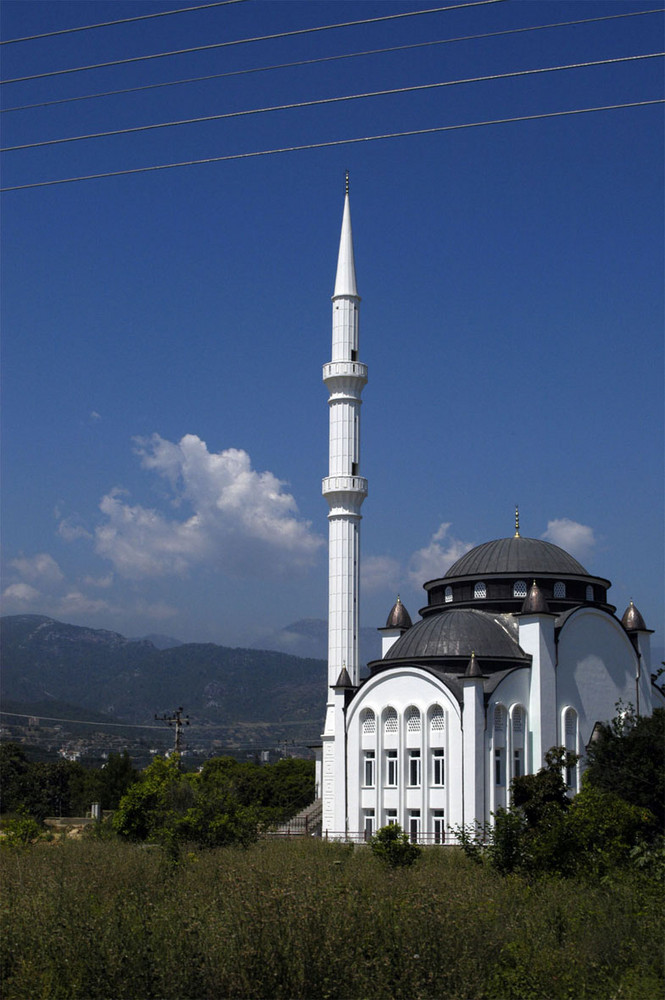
{"x": 517, "y": 521}
{"x": 346, "y": 182}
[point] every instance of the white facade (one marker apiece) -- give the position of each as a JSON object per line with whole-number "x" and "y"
{"x": 518, "y": 651}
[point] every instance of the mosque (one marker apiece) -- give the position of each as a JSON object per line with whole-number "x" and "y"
{"x": 517, "y": 650}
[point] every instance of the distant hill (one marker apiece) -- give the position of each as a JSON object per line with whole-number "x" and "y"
{"x": 309, "y": 637}
{"x": 47, "y": 661}
{"x": 160, "y": 641}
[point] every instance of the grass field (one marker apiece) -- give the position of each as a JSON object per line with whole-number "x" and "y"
{"x": 306, "y": 919}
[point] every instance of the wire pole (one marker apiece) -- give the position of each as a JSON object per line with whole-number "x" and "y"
{"x": 178, "y": 721}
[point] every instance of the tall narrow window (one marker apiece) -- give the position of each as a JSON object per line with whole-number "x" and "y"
{"x": 439, "y": 827}
{"x": 414, "y": 768}
{"x": 518, "y": 762}
{"x": 369, "y": 769}
{"x": 391, "y": 768}
{"x": 414, "y": 826}
{"x": 368, "y": 823}
{"x": 391, "y": 817}
{"x": 438, "y": 768}
{"x": 499, "y": 767}
{"x": 570, "y": 725}
{"x": 589, "y": 592}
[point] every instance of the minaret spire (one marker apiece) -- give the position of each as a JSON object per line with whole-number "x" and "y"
{"x": 345, "y": 490}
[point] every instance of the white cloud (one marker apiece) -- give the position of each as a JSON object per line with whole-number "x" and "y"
{"x": 70, "y": 529}
{"x": 240, "y": 520}
{"x": 577, "y": 539}
{"x": 41, "y": 568}
{"x": 18, "y": 595}
{"x": 379, "y": 573}
{"x": 437, "y": 557}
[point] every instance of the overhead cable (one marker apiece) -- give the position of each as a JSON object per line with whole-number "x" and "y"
{"x": 323, "y": 59}
{"x": 330, "y": 100}
{"x": 122, "y": 20}
{"x": 245, "y": 41}
{"x": 334, "y": 142}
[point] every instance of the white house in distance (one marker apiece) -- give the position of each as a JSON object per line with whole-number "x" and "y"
{"x": 517, "y": 650}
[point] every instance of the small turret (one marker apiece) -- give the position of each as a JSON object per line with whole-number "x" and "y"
{"x": 632, "y": 620}
{"x": 397, "y": 623}
{"x": 534, "y": 602}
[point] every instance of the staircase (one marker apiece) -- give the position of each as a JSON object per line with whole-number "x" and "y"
{"x": 307, "y": 823}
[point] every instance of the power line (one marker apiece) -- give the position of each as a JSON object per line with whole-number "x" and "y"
{"x": 323, "y": 59}
{"x": 244, "y": 41}
{"x": 330, "y": 100}
{"x": 333, "y": 142}
{"x": 122, "y": 20}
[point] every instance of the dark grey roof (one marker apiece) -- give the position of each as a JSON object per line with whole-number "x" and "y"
{"x": 399, "y": 617}
{"x": 457, "y": 632}
{"x": 530, "y": 556}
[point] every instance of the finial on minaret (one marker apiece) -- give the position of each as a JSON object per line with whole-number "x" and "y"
{"x": 346, "y": 183}
{"x": 517, "y": 521}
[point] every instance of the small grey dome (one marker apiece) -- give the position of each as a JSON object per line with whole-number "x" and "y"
{"x": 455, "y": 633}
{"x": 399, "y": 617}
{"x": 632, "y": 620}
{"x": 473, "y": 667}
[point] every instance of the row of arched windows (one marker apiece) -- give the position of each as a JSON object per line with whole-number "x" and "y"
{"x": 412, "y": 716}
{"x": 519, "y": 590}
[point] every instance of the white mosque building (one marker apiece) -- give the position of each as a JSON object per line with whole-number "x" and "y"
{"x": 517, "y": 650}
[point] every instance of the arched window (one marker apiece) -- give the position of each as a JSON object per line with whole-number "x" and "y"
{"x": 436, "y": 721}
{"x": 517, "y": 720}
{"x": 570, "y": 738}
{"x": 412, "y": 720}
{"x": 519, "y": 588}
{"x": 448, "y": 595}
{"x": 480, "y": 591}
{"x": 589, "y": 592}
{"x": 390, "y": 721}
{"x": 369, "y": 721}
{"x": 559, "y": 589}
{"x": 499, "y": 719}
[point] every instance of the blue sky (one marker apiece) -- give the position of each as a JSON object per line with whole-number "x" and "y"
{"x": 165, "y": 423}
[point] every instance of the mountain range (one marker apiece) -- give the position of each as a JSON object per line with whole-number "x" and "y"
{"x": 45, "y": 661}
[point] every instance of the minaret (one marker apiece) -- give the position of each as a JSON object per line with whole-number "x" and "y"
{"x": 344, "y": 489}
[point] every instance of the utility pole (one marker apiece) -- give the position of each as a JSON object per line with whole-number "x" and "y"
{"x": 178, "y": 721}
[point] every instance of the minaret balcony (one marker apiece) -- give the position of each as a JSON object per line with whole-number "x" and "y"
{"x": 344, "y": 484}
{"x": 345, "y": 370}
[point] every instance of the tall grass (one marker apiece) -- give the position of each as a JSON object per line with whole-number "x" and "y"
{"x": 306, "y": 919}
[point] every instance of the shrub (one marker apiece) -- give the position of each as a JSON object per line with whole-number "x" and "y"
{"x": 392, "y": 845}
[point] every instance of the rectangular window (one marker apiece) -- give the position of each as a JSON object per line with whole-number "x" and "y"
{"x": 369, "y": 769}
{"x": 391, "y": 817}
{"x": 518, "y": 763}
{"x": 369, "y": 823}
{"x": 571, "y": 777}
{"x": 414, "y": 825}
{"x": 438, "y": 768}
{"x": 498, "y": 767}
{"x": 391, "y": 768}
{"x": 414, "y": 767}
{"x": 439, "y": 828}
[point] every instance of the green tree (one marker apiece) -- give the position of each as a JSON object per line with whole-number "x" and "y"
{"x": 627, "y": 758}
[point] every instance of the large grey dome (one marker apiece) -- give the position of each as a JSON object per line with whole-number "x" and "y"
{"x": 458, "y": 632}
{"x": 530, "y": 556}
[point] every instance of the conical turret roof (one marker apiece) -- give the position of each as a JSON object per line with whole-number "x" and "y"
{"x": 345, "y": 279}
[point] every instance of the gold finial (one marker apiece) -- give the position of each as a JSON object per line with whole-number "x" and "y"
{"x": 517, "y": 521}
{"x": 346, "y": 183}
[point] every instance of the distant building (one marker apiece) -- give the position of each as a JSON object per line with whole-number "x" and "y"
{"x": 517, "y": 650}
